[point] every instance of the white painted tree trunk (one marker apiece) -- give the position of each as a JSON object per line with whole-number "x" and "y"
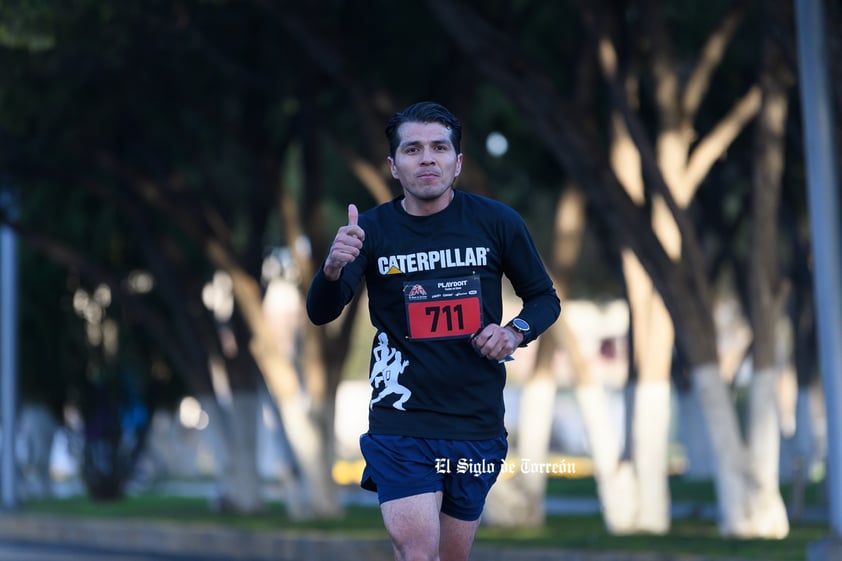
{"x": 770, "y": 516}
{"x": 650, "y": 436}
{"x": 748, "y": 508}
{"x": 616, "y": 486}
{"x": 694, "y": 437}
{"x": 729, "y": 454}
{"x": 307, "y": 441}
{"x": 235, "y": 451}
{"x": 241, "y": 480}
{"x": 36, "y": 428}
{"x": 809, "y": 445}
{"x": 519, "y": 501}
{"x": 801, "y": 453}
{"x": 634, "y": 495}
{"x": 273, "y": 323}
{"x": 653, "y": 336}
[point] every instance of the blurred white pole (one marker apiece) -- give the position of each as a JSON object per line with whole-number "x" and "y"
{"x": 824, "y": 204}
{"x": 8, "y": 350}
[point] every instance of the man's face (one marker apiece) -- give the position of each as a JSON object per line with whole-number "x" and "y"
{"x": 425, "y": 162}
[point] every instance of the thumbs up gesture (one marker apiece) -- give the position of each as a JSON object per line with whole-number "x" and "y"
{"x": 346, "y": 245}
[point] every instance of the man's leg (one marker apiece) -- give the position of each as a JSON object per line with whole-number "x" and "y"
{"x": 457, "y": 538}
{"x": 413, "y": 526}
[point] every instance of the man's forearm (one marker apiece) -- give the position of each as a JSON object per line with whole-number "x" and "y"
{"x": 326, "y": 298}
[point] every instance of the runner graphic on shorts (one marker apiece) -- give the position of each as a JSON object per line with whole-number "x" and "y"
{"x": 386, "y": 369}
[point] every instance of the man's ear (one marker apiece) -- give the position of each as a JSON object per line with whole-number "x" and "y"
{"x": 392, "y": 167}
{"x": 458, "y": 164}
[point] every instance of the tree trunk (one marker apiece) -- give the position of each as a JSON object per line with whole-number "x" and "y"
{"x": 730, "y": 472}
{"x": 234, "y": 438}
{"x": 694, "y": 437}
{"x": 282, "y": 380}
{"x": 653, "y": 337}
{"x": 652, "y": 334}
{"x": 650, "y": 441}
{"x": 764, "y": 455}
{"x": 766, "y": 297}
{"x": 301, "y": 415}
{"x": 615, "y": 479}
{"x": 512, "y": 501}
{"x": 804, "y": 450}
{"x": 36, "y": 428}
{"x": 743, "y": 511}
{"x": 518, "y": 501}
{"x": 239, "y": 478}
{"x": 308, "y": 443}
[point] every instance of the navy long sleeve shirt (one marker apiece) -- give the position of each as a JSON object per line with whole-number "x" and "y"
{"x": 432, "y": 282}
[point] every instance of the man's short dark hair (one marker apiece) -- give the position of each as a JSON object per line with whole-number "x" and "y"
{"x": 424, "y": 112}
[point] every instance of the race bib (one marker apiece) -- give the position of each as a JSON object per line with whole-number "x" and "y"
{"x": 444, "y": 308}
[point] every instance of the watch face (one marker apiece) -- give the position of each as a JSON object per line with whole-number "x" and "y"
{"x": 520, "y": 325}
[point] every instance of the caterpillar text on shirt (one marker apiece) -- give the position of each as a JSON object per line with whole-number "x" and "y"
{"x": 432, "y": 260}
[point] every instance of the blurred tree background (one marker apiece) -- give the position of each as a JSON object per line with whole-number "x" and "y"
{"x": 162, "y": 150}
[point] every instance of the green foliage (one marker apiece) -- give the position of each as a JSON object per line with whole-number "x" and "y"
{"x": 25, "y": 24}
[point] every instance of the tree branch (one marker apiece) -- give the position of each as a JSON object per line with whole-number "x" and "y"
{"x": 575, "y": 146}
{"x": 716, "y": 143}
{"x": 365, "y": 172}
{"x": 664, "y": 70}
{"x": 711, "y": 55}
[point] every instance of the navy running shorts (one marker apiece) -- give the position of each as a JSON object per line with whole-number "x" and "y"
{"x": 463, "y": 470}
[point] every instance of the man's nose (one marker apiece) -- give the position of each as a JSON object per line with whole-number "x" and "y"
{"x": 427, "y": 156}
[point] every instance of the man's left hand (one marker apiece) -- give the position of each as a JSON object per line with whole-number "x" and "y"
{"x": 495, "y": 342}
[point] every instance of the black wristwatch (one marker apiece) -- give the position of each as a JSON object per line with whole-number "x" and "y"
{"x": 521, "y": 326}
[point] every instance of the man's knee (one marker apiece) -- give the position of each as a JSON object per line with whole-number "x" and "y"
{"x": 414, "y": 543}
{"x": 457, "y": 538}
{"x": 413, "y": 526}
{"x": 415, "y": 554}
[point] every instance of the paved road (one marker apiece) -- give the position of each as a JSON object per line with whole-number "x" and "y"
{"x": 21, "y": 551}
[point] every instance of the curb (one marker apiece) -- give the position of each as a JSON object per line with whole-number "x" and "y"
{"x": 217, "y": 543}
{"x": 207, "y": 541}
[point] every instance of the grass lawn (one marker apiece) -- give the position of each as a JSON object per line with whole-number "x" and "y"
{"x": 687, "y": 535}
{"x": 681, "y": 490}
